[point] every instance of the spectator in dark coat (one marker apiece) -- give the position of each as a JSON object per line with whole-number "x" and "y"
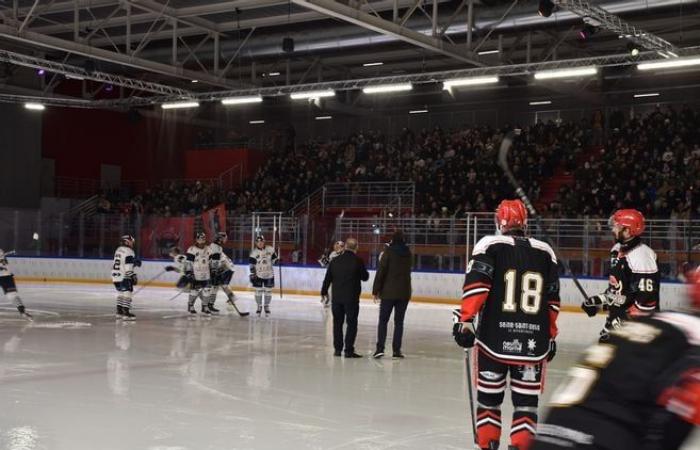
{"x": 392, "y": 284}
{"x": 346, "y": 273}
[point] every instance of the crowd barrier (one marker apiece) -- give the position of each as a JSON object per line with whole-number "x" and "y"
{"x": 433, "y": 287}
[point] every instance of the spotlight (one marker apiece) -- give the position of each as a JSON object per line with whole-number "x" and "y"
{"x": 633, "y": 49}
{"x": 41, "y": 72}
{"x": 109, "y": 88}
{"x": 546, "y": 8}
{"x": 587, "y": 31}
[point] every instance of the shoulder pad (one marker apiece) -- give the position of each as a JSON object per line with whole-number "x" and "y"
{"x": 642, "y": 259}
{"x": 541, "y": 245}
{"x": 487, "y": 241}
{"x": 688, "y": 324}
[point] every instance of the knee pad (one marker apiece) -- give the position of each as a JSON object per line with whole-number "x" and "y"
{"x": 489, "y": 400}
{"x": 527, "y": 403}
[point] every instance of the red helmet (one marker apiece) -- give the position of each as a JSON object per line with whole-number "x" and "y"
{"x": 511, "y": 214}
{"x": 631, "y": 219}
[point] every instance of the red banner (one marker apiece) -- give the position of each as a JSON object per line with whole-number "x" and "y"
{"x": 160, "y": 234}
{"x": 214, "y": 220}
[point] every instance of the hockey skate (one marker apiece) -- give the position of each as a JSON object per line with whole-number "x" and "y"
{"x": 205, "y": 311}
{"x": 126, "y": 315}
{"x": 191, "y": 310}
{"x": 267, "y": 310}
{"x": 259, "y": 311}
{"x": 120, "y": 312}
{"x": 23, "y": 312}
{"x": 213, "y": 310}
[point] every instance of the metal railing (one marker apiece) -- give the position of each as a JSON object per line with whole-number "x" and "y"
{"x": 438, "y": 243}
{"x": 398, "y": 196}
{"x": 443, "y": 243}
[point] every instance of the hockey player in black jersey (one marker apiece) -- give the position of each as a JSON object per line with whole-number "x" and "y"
{"x": 633, "y": 288}
{"x": 639, "y": 390}
{"x": 512, "y": 286}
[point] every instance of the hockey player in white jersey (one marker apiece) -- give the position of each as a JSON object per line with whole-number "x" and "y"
{"x": 633, "y": 289}
{"x": 221, "y": 270}
{"x": 262, "y": 275}
{"x": 198, "y": 274}
{"x": 123, "y": 276}
{"x": 338, "y": 249}
{"x": 7, "y": 283}
{"x": 179, "y": 265}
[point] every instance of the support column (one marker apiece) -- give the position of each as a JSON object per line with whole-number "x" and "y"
{"x": 435, "y": 17}
{"x": 127, "y": 6}
{"x": 76, "y": 21}
{"x": 288, "y": 72}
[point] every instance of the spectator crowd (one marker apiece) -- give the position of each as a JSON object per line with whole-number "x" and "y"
{"x": 645, "y": 162}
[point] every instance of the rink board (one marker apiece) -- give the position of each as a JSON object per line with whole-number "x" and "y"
{"x": 435, "y": 287}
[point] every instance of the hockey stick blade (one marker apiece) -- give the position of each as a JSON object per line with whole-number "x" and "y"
{"x": 242, "y": 314}
{"x": 503, "y": 151}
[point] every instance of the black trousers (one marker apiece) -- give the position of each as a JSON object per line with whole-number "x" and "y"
{"x": 345, "y": 313}
{"x": 385, "y": 307}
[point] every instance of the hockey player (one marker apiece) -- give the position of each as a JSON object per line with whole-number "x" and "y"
{"x": 180, "y": 263}
{"x": 9, "y": 288}
{"x": 633, "y": 288}
{"x": 338, "y": 249}
{"x": 221, "y": 270}
{"x": 262, "y": 275}
{"x": 639, "y": 390}
{"x": 198, "y": 274}
{"x": 512, "y": 284}
{"x": 123, "y": 276}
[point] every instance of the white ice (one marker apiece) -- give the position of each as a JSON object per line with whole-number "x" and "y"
{"x": 75, "y": 379}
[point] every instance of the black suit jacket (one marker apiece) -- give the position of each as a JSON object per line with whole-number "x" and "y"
{"x": 346, "y": 273}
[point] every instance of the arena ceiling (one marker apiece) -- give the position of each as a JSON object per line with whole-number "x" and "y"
{"x": 157, "y": 48}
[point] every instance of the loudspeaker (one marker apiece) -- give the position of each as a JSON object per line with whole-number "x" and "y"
{"x": 288, "y": 45}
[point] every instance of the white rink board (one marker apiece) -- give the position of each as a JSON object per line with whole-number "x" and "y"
{"x": 429, "y": 285}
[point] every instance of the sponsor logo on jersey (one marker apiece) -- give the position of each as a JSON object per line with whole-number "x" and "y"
{"x": 514, "y": 346}
{"x": 529, "y": 373}
{"x": 490, "y": 375}
{"x": 531, "y": 345}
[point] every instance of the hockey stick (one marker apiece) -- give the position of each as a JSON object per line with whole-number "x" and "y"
{"x": 160, "y": 274}
{"x": 242, "y": 314}
{"x": 503, "y": 163}
{"x": 467, "y": 363}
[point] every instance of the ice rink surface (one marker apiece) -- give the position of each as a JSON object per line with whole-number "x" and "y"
{"x": 75, "y": 379}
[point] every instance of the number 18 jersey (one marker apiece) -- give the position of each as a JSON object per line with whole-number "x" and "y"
{"x": 512, "y": 284}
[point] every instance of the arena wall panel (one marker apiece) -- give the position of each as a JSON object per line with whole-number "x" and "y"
{"x": 433, "y": 287}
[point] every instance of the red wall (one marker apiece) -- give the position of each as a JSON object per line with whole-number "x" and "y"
{"x": 80, "y": 140}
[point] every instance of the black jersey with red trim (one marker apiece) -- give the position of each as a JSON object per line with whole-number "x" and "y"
{"x": 638, "y": 390}
{"x": 634, "y": 275}
{"x": 512, "y": 283}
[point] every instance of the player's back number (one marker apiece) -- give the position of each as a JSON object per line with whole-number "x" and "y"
{"x": 530, "y": 293}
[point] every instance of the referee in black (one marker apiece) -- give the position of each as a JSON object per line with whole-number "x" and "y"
{"x": 346, "y": 273}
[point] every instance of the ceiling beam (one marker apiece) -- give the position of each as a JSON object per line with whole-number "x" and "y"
{"x": 32, "y": 38}
{"x": 360, "y": 18}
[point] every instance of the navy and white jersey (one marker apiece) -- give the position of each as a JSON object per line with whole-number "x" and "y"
{"x": 123, "y": 266}
{"x": 634, "y": 276}
{"x": 624, "y": 393}
{"x": 512, "y": 285}
{"x": 261, "y": 262}
{"x": 4, "y": 265}
{"x": 180, "y": 263}
{"x": 198, "y": 262}
{"x": 218, "y": 260}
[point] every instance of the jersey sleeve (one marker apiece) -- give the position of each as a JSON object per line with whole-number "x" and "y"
{"x": 189, "y": 261}
{"x": 129, "y": 258}
{"x": 252, "y": 261}
{"x": 477, "y": 285}
{"x": 553, "y": 299}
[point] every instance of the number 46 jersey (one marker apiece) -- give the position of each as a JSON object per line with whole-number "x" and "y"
{"x": 512, "y": 284}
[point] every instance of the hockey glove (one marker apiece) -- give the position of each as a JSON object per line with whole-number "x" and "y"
{"x": 592, "y": 304}
{"x": 134, "y": 279}
{"x": 552, "y": 350}
{"x": 183, "y": 282}
{"x": 252, "y": 278}
{"x": 464, "y": 336}
{"x": 325, "y": 301}
{"x": 137, "y": 263}
{"x": 171, "y": 269}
